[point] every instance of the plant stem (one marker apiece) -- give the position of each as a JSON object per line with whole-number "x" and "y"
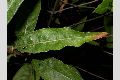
{"x": 90, "y": 19}
{"x": 53, "y": 11}
{"x": 91, "y": 73}
{"x": 73, "y": 6}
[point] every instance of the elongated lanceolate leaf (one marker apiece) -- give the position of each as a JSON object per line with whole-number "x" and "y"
{"x": 30, "y": 23}
{"x": 53, "y": 69}
{"x": 25, "y": 73}
{"x": 105, "y": 6}
{"x": 12, "y": 7}
{"x": 47, "y": 39}
{"x": 79, "y": 27}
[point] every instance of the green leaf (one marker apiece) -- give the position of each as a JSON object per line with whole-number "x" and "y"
{"x": 74, "y": 1}
{"x": 108, "y": 24}
{"x": 109, "y": 45}
{"x": 24, "y": 73}
{"x": 53, "y": 69}
{"x": 79, "y": 27}
{"x": 47, "y": 39}
{"x": 12, "y": 8}
{"x": 94, "y": 43}
{"x": 30, "y": 23}
{"x": 105, "y": 6}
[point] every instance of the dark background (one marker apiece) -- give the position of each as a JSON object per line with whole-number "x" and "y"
{"x": 89, "y": 57}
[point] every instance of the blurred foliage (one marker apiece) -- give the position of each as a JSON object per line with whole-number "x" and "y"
{"x": 105, "y": 6}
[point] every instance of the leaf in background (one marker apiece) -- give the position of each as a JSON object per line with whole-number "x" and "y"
{"x": 105, "y": 6}
{"x": 31, "y": 21}
{"x": 109, "y": 45}
{"x": 79, "y": 27}
{"x": 108, "y": 24}
{"x": 12, "y": 8}
{"x": 74, "y": 1}
{"x": 57, "y": 21}
{"x": 47, "y": 39}
{"x": 94, "y": 43}
{"x": 26, "y": 72}
{"x": 53, "y": 69}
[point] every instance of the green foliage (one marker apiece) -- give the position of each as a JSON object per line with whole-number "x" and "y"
{"x": 80, "y": 27}
{"x": 13, "y": 6}
{"x": 25, "y": 73}
{"x": 47, "y": 39}
{"x": 48, "y": 69}
{"x": 105, "y": 6}
{"x": 30, "y": 22}
{"x": 108, "y": 23}
{"x": 53, "y": 69}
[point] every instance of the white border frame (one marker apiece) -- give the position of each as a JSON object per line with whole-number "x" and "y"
{"x": 3, "y": 39}
{"x": 116, "y": 39}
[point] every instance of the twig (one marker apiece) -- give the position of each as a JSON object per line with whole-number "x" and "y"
{"x": 63, "y": 5}
{"x": 88, "y": 3}
{"x": 87, "y": 7}
{"x": 53, "y": 11}
{"x": 12, "y": 51}
{"x": 97, "y": 28}
{"x": 73, "y": 6}
{"x": 82, "y": 4}
{"x": 108, "y": 52}
{"x": 91, "y": 73}
{"x": 90, "y": 19}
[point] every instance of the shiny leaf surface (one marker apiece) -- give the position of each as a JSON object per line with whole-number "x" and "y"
{"x": 53, "y": 69}
{"x": 47, "y": 39}
{"x": 24, "y": 73}
{"x": 12, "y": 8}
{"x": 105, "y": 6}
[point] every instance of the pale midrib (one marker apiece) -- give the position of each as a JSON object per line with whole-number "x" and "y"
{"x": 9, "y": 6}
{"x": 25, "y": 31}
{"x": 33, "y": 21}
{"x": 59, "y": 73}
{"x": 45, "y": 42}
{"x": 13, "y": 1}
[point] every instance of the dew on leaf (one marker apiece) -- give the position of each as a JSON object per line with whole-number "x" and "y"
{"x": 23, "y": 47}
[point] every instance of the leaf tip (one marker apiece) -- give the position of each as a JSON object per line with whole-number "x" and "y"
{"x": 100, "y": 35}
